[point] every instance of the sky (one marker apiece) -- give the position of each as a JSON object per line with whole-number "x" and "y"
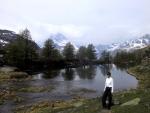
{"x": 81, "y": 21}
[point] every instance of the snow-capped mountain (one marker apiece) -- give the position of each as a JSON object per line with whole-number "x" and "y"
{"x": 6, "y": 36}
{"x": 61, "y": 40}
{"x": 131, "y": 44}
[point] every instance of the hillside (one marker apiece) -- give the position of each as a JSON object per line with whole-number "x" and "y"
{"x": 7, "y": 36}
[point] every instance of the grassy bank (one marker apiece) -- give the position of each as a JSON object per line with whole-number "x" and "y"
{"x": 94, "y": 105}
{"x": 142, "y": 93}
{"x": 142, "y": 73}
{"x": 9, "y": 73}
{"x": 71, "y": 106}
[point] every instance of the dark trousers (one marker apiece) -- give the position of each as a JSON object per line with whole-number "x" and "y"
{"x": 107, "y": 94}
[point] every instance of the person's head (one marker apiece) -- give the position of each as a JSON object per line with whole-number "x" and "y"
{"x": 109, "y": 74}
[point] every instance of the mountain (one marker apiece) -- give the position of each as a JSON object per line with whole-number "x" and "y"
{"x": 129, "y": 45}
{"x": 61, "y": 40}
{"x": 6, "y": 37}
{"x": 100, "y": 48}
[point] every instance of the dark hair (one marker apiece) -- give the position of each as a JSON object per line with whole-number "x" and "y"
{"x": 109, "y": 73}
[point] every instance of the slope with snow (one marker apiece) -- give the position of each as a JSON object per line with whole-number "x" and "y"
{"x": 6, "y": 36}
{"x": 60, "y": 40}
{"x": 131, "y": 44}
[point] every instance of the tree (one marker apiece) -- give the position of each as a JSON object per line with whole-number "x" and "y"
{"x": 25, "y": 34}
{"x": 105, "y": 57}
{"x": 69, "y": 51}
{"x": 82, "y": 53}
{"x": 91, "y": 52}
{"x": 56, "y": 54}
{"x": 49, "y": 51}
{"x": 29, "y": 48}
{"x": 22, "y": 50}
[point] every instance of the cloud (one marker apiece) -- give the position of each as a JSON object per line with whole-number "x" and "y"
{"x": 72, "y": 32}
{"x": 82, "y": 21}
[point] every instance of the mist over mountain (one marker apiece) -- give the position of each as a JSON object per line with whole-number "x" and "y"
{"x": 60, "y": 40}
{"x": 129, "y": 45}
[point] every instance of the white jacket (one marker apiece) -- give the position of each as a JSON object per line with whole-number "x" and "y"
{"x": 109, "y": 83}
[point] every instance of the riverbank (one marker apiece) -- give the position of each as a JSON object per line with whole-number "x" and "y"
{"x": 142, "y": 73}
{"x": 129, "y": 103}
{"x": 136, "y": 101}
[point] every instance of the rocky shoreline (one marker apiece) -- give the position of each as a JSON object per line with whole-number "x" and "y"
{"x": 9, "y": 73}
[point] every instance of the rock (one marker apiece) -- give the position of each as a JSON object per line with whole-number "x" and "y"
{"x": 78, "y": 104}
{"x": 116, "y": 102}
{"x": 7, "y": 69}
{"x": 132, "y": 102}
{"x": 8, "y": 72}
{"x": 18, "y": 75}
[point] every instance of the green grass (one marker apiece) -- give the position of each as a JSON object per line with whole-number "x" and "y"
{"x": 142, "y": 107}
{"x": 13, "y": 75}
{"x": 93, "y": 105}
{"x": 142, "y": 73}
{"x": 71, "y": 106}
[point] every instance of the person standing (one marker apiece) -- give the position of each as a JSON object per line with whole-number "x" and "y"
{"x": 108, "y": 90}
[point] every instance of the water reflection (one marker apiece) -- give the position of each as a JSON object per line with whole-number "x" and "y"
{"x": 105, "y": 68}
{"x": 51, "y": 74}
{"x": 68, "y": 74}
{"x": 87, "y": 72}
{"x": 123, "y": 67}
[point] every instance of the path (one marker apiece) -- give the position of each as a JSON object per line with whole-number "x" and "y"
{"x": 105, "y": 111}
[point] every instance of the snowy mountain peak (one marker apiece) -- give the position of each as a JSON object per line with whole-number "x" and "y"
{"x": 61, "y": 40}
{"x": 131, "y": 44}
{"x": 58, "y": 37}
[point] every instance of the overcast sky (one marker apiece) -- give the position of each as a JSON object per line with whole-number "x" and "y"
{"x": 82, "y": 21}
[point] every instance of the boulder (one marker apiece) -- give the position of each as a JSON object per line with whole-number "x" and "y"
{"x": 132, "y": 102}
{"x": 7, "y": 69}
